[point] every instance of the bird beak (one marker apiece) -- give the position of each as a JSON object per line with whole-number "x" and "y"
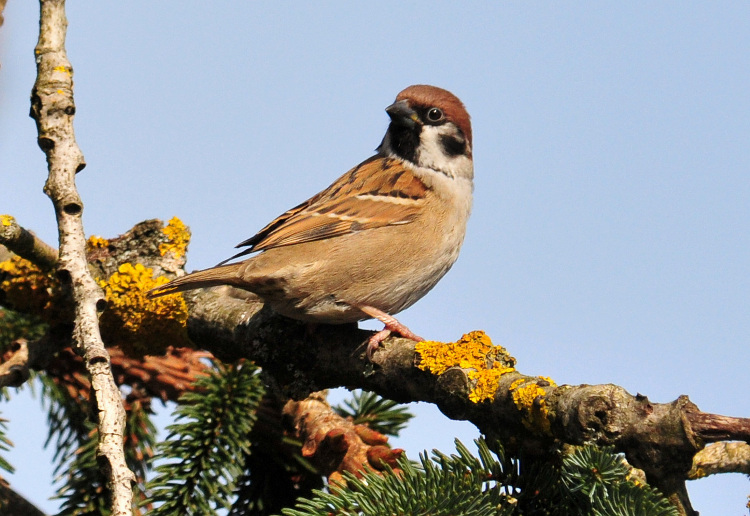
{"x": 402, "y": 114}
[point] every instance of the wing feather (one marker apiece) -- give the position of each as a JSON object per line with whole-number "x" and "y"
{"x": 379, "y": 192}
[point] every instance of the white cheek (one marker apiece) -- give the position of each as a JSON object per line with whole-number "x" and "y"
{"x": 431, "y": 153}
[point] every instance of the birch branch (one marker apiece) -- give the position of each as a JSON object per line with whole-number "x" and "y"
{"x": 52, "y": 108}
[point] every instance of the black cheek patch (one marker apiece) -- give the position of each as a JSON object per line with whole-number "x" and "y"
{"x": 452, "y": 145}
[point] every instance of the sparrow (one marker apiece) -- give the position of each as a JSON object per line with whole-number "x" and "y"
{"x": 376, "y": 240}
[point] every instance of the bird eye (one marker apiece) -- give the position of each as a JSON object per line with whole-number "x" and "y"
{"x": 434, "y": 115}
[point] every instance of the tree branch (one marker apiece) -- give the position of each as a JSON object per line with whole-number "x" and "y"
{"x": 52, "y": 108}
{"x": 733, "y": 457}
{"x": 165, "y": 377}
{"x": 660, "y": 439}
{"x": 532, "y": 412}
{"x": 26, "y": 244}
{"x": 335, "y": 444}
{"x": 22, "y": 357}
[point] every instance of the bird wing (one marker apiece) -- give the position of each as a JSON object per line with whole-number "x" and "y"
{"x": 379, "y": 192}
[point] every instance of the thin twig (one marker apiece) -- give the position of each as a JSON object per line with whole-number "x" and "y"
{"x": 52, "y": 108}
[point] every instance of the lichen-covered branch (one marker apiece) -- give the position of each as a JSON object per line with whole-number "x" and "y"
{"x": 26, "y": 244}
{"x": 533, "y": 412}
{"x": 52, "y": 108}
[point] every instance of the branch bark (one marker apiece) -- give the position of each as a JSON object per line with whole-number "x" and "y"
{"x": 732, "y": 457}
{"x": 52, "y": 108}
{"x": 26, "y": 244}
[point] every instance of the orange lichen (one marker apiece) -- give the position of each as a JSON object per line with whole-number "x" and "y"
{"x": 179, "y": 237}
{"x": 134, "y": 322}
{"x": 6, "y": 220}
{"x": 474, "y": 351}
{"x": 25, "y": 286}
{"x": 529, "y": 397}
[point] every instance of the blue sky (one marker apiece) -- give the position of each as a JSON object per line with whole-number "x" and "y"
{"x": 609, "y": 240}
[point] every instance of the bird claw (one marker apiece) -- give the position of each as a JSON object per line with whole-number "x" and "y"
{"x": 391, "y": 326}
{"x": 374, "y": 342}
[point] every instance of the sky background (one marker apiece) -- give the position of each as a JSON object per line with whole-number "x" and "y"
{"x": 610, "y": 236}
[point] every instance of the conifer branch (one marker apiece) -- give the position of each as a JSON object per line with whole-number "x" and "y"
{"x": 202, "y": 456}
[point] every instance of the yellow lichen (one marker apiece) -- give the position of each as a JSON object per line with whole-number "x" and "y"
{"x": 6, "y": 220}
{"x": 134, "y": 322}
{"x": 487, "y": 382}
{"x": 26, "y": 287}
{"x": 529, "y": 397}
{"x": 96, "y": 242}
{"x": 473, "y": 351}
{"x": 179, "y": 237}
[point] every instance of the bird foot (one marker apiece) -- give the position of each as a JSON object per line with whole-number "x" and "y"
{"x": 391, "y": 326}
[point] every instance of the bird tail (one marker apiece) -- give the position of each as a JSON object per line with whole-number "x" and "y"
{"x": 222, "y": 275}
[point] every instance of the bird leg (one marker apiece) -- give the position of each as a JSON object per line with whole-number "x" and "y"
{"x": 391, "y": 326}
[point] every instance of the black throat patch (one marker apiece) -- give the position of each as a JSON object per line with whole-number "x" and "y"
{"x": 404, "y": 141}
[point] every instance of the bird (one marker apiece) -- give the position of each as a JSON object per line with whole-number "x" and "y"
{"x": 376, "y": 240}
